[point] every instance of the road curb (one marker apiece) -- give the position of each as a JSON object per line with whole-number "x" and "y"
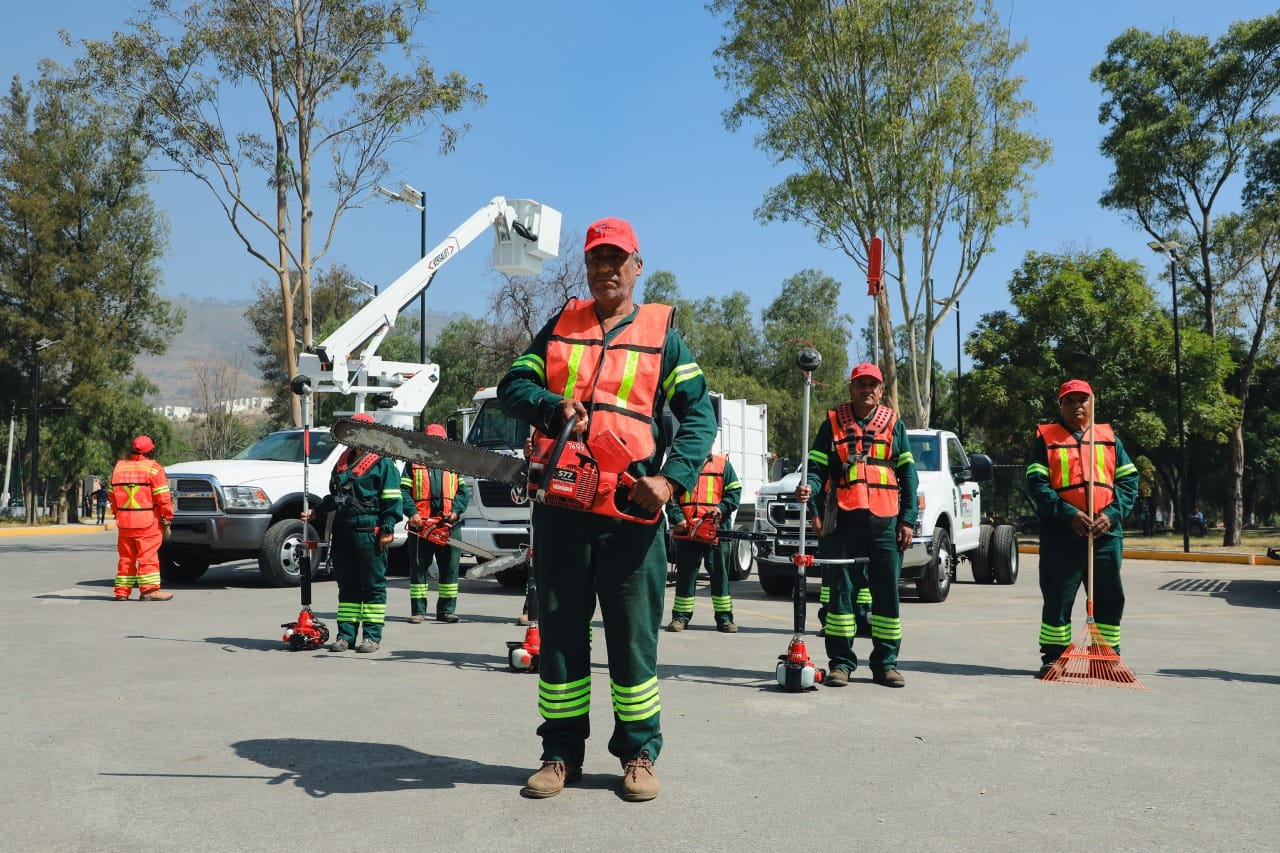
{"x": 50, "y": 529}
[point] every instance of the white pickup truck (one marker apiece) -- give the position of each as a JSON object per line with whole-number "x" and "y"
{"x": 248, "y": 507}
{"x": 950, "y": 527}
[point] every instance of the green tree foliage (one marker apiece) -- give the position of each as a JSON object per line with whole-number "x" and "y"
{"x": 756, "y": 361}
{"x": 1091, "y": 316}
{"x": 1185, "y": 116}
{"x": 79, "y": 241}
{"x": 899, "y": 118}
{"x": 330, "y": 110}
{"x": 337, "y": 295}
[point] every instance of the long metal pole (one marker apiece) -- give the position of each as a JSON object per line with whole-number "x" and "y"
{"x": 34, "y": 510}
{"x": 959, "y": 382}
{"x": 422, "y": 302}
{"x": 8, "y": 464}
{"x": 1183, "y": 509}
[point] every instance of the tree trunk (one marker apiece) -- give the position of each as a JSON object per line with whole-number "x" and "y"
{"x": 1233, "y": 511}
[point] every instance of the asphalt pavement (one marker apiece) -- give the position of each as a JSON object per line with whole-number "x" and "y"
{"x": 188, "y": 725}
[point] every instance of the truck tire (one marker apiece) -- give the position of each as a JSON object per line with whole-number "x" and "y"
{"x": 934, "y": 584}
{"x": 183, "y": 565}
{"x": 980, "y": 559}
{"x": 514, "y": 576}
{"x": 279, "y": 559}
{"x": 1004, "y": 554}
{"x": 742, "y": 555}
{"x": 778, "y": 584}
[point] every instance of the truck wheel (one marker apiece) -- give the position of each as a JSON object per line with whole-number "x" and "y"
{"x": 980, "y": 560}
{"x": 279, "y": 560}
{"x": 742, "y": 555}
{"x": 778, "y": 584}
{"x": 1004, "y": 554}
{"x": 934, "y": 584}
{"x": 182, "y": 565}
{"x": 514, "y": 576}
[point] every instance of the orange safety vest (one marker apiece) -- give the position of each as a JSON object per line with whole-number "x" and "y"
{"x": 1066, "y": 464}
{"x": 139, "y": 493}
{"x": 869, "y": 480}
{"x": 449, "y": 483}
{"x": 707, "y": 491}
{"x": 619, "y": 383}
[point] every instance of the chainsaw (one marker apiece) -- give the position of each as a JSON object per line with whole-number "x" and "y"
{"x": 705, "y": 531}
{"x": 589, "y": 476}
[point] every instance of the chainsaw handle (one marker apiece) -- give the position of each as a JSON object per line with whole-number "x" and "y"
{"x": 623, "y": 505}
{"x": 561, "y": 441}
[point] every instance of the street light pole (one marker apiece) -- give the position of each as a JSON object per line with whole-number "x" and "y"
{"x": 1169, "y": 249}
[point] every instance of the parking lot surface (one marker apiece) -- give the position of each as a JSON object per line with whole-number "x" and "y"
{"x": 189, "y": 725}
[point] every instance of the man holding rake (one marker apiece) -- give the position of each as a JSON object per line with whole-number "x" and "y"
{"x": 1083, "y": 485}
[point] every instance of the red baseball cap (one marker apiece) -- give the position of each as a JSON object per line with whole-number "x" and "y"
{"x": 363, "y": 417}
{"x": 612, "y": 232}
{"x": 1074, "y": 386}
{"x": 437, "y": 430}
{"x": 143, "y": 444}
{"x": 866, "y": 368}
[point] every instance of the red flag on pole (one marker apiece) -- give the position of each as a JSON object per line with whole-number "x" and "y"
{"x": 875, "y": 267}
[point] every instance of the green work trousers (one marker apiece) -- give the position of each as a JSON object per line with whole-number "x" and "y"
{"x": 584, "y": 558}
{"x": 860, "y": 534}
{"x": 1064, "y": 562}
{"x": 360, "y": 568}
{"x": 446, "y": 557}
{"x": 689, "y": 558}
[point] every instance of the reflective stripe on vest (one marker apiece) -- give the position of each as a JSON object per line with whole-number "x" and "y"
{"x": 867, "y": 478}
{"x": 1066, "y": 464}
{"x": 422, "y": 496}
{"x": 707, "y": 491}
{"x": 617, "y": 382}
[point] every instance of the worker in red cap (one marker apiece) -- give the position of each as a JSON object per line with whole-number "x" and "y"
{"x": 143, "y": 507}
{"x": 861, "y": 455}
{"x": 607, "y": 365}
{"x": 1079, "y": 504}
{"x": 364, "y": 496}
{"x": 433, "y": 499}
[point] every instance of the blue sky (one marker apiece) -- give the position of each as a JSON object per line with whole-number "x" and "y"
{"x": 614, "y": 110}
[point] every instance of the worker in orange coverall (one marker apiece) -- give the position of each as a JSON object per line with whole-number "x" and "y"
{"x": 142, "y": 507}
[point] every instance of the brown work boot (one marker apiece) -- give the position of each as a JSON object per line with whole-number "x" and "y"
{"x": 678, "y": 625}
{"x": 727, "y": 627}
{"x": 550, "y": 780}
{"x": 417, "y": 618}
{"x": 522, "y": 619}
{"x": 639, "y": 781}
{"x": 889, "y": 678}
{"x": 837, "y": 678}
{"x": 157, "y": 595}
{"x": 121, "y": 598}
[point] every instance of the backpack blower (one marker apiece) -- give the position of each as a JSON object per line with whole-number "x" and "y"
{"x": 308, "y": 633}
{"x": 796, "y": 671}
{"x": 523, "y": 655}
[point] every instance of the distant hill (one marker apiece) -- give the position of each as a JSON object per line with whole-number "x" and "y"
{"x": 218, "y": 330}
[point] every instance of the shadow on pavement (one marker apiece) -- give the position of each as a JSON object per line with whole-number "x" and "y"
{"x": 326, "y": 767}
{"x": 1252, "y": 592}
{"x": 1221, "y": 675}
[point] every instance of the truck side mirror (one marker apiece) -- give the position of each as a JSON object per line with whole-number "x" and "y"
{"x": 980, "y": 469}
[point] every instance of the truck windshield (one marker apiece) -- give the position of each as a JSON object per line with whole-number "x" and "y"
{"x": 286, "y": 446}
{"x": 925, "y": 450}
{"x": 494, "y": 428}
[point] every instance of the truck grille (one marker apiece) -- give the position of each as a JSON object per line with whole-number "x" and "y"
{"x": 193, "y": 496}
{"x": 495, "y": 494}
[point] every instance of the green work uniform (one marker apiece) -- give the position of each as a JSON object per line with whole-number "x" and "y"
{"x": 363, "y": 503}
{"x": 691, "y": 555}
{"x": 858, "y": 533}
{"x": 422, "y": 552}
{"x": 1064, "y": 554}
{"x": 584, "y": 557}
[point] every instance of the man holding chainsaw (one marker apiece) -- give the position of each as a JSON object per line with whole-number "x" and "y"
{"x": 1072, "y": 521}
{"x": 602, "y": 369}
{"x": 697, "y": 519}
{"x": 862, "y": 454}
{"x": 364, "y": 496}
{"x": 433, "y": 499}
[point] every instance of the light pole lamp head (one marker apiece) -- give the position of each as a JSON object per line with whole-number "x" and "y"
{"x": 1168, "y": 248}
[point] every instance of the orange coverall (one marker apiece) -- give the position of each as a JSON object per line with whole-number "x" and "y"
{"x": 139, "y": 499}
